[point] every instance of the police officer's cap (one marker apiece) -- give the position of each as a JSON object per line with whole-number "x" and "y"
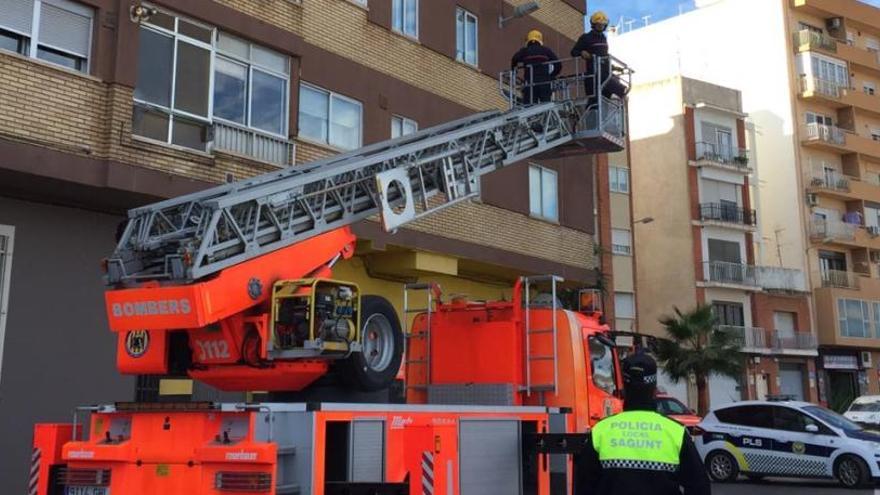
{"x": 640, "y": 369}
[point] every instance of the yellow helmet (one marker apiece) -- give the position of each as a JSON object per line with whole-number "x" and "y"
{"x": 535, "y": 35}
{"x": 599, "y": 17}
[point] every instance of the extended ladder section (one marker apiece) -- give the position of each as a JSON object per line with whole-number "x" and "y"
{"x": 185, "y": 239}
{"x": 541, "y": 355}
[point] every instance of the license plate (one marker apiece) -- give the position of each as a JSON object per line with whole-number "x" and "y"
{"x": 86, "y": 490}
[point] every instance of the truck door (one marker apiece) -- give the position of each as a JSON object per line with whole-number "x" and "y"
{"x": 602, "y": 379}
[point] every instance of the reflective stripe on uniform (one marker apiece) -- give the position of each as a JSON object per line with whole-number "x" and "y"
{"x": 638, "y": 437}
{"x": 648, "y": 465}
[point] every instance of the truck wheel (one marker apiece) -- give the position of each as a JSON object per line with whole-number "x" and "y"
{"x": 722, "y": 466}
{"x": 377, "y": 365}
{"x": 851, "y": 471}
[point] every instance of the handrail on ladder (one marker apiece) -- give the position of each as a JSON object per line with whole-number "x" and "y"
{"x": 526, "y": 283}
{"x": 434, "y": 294}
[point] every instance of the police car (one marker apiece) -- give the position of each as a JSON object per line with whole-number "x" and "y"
{"x": 789, "y": 439}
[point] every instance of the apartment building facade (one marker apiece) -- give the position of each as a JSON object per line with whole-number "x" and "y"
{"x": 693, "y": 176}
{"x": 102, "y": 110}
{"x": 811, "y": 97}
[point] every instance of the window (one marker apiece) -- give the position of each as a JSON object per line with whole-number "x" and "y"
{"x": 869, "y": 88}
{"x": 602, "y": 365}
{"x": 668, "y": 405}
{"x": 854, "y": 318}
{"x": 543, "y": 196}
{"x": 405, "y": 17}
{"x": 729, "y": 313}
{"x": 251, "y": 85}
{"x": 621, "y": 242}
{"x": 785, "y": 418}
{"x": 754, "y": 416}
{"x": 784, "y": 323}
{"x": 875, "y": 134}
{"x": 401, "y": 126}
{"x": 174, "y": 102}
{"x": 329, "y": 118}
{"x": 466, "y": 37}
{"x": 619, "y": 179}
{"x": 6, "y": 238}
{"x": 725, "y": 251}
{"x": 718, "y": 139}
{"x": 829, "y": 70}
{"x": 872, "y": 45}
{"x": 624, "y": 305}
{"x": 819, "y": 119}
{"x": 809, "y": 27}
{"x": 57, "y": 31}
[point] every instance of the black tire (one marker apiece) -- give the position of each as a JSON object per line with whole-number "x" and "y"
{"x": 721, "y": 466}
{"x": 852, "y": 471}
{"x": 376, "y": 367}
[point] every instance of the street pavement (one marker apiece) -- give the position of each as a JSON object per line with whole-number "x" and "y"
{"x": 786, "y": 487}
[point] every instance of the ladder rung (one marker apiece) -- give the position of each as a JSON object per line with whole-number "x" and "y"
{"x": 540, "y": 358}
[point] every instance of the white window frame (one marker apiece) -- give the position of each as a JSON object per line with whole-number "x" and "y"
{"x": 401, "y": 121}
{"x": 330, "y": 96}
{"x": 869, "y": 87}
{"x": 542, "y": 171}
{"x": 614, "y": 176}
{"x": 401, "y": 4}
{"x": 34, "y": 36}
{"x": 617, "y": 314}
{"x": 818, "y": 118}
{"x": 171, "y": 111}
{"x": 251, "y": 67}
{"x": 7, "y": 231}
{"x": 869, "y": 323}
{"x": 815, "y": 60}
{"x": 463, "y": 31}
{"x": 621, "y": 249}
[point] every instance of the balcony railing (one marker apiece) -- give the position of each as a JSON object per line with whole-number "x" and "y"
{"x": 254, "y": 144}
{"x": 727, "y": 155}
{"x": 730, "y": 273}
{"x": 802, "y": 341}
{"x": 727, "y": 213}
{"x": 827, "y": 133}
{"x": 831, "y": 89}
{"x": 827, "y": 179}
{"x": 781, "y": 279}
{"x": 815, "y": 40}
{"x": 833, "y": 230}
{"x": 748, "y": 337}
{"x": 839, "y": 279}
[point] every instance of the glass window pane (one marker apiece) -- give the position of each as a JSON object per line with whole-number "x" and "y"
{"x": 623, "y": 179}
{"x": 549, "y": 195}
{"x": 345, "y": 124}
{"x": 624, "y": 305}
{"x": 150, "y": 124}
{"x": 269, "y": 59}
{"x": 411, "y": 17}
{"x": 232, "y": 45}
{"x": 163, "y": 20}
{"x": 459, "y": 34}
{"x": 193, "y": 31}
{"x": 397, "y": 15}
{"x": 535, "y": 191}
{"x": 192, "y": 80}
{"x": 313, "y": 113}
{"x": 409, "y": 126}
{"x": 62, "y": 59}
{"x": 396, "y": 127}
{"x": 189, "y": 133}
{"x": 11, "y": 42}
{"x": 268, "y": 103}
{"x": 68, "y": 29}
{"x": 470, "y": 55}
{"x": 156, "y": 52}
{"x": 612, "y": 179}
{"x": 230, "y": 90}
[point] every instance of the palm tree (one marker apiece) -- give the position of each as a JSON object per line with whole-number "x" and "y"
{"x": 696, "y": 346}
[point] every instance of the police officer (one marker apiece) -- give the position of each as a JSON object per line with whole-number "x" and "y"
{"x": 594, "y": 45}
{"x": 640, "y": 451}
{"x": 540, "y": 69}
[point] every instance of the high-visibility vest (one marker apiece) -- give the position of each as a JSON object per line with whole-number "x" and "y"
{"x": 638, "y": 440}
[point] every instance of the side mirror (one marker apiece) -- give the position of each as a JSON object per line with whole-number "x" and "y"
{"x": 812, "y": 429}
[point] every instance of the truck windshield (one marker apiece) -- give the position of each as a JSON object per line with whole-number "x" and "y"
{"x": 602, "y": 365}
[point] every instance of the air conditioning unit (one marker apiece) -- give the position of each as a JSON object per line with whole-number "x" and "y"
{"x": 873, "y": 230}
{"x": 834, "y": 24}
{"x": 812, "y": 199}
{"x": 866, "y": 359}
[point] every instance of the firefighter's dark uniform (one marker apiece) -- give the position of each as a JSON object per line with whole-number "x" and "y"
{"x": 640, "y": 451}
{"x": 538, "y": 70}
{"x": 596, "y": 44}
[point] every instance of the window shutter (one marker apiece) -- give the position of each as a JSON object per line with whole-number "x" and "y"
{"x": 17, "y": 15}
{"x": 65, "y": 30}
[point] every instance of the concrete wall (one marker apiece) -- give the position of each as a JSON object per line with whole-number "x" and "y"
{"x": 58, "y": 353}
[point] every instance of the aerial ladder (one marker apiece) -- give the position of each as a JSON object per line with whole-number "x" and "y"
{"x": 232, "y": 286}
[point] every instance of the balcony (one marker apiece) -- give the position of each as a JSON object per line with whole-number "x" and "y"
{"x": 840, "y": 279}
{"x": 830, "y": 183}
{"x": 828, "y": 313}
{"x": 731, "y": 275}
{"x": 724, "y": 157}
{"x": 833, "y": 230}
{"x": 829, "y": 134}
{"x": 772, "y": 278}
{"x": 751, "y": 339}
{"x": 253, "y": 144}
{"x": 838, "y": 96}
{"x": 806, "y": 40}
{"x": 722, "y": 213}
{"x": 798, "y": 341}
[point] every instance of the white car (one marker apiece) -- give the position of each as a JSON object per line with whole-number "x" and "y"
{"x": 865, "y": 411}
{"x": 788, "y": 439}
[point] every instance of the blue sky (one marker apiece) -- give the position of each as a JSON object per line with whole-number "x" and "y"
{"x": 657, "y": 9}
